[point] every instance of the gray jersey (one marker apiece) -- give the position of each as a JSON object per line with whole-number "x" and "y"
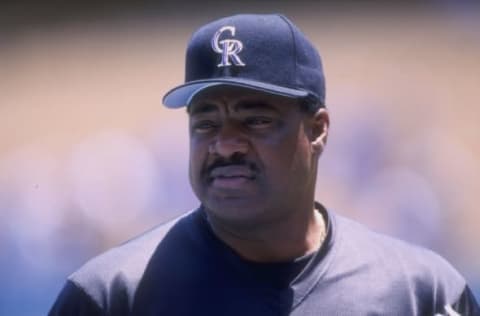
{"x": 181, "y": 268}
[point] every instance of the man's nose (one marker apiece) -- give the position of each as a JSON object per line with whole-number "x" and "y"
{"x": 229, "y": 141}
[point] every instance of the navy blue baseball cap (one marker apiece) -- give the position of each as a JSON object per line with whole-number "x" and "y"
{"x": 267, "y": 53}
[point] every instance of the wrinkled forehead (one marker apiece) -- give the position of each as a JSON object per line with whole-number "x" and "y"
{"x": 238, "y": 99}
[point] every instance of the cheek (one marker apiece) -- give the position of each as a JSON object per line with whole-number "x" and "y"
{"x": 196, "y": 160}
{"x": 290, "y": 157}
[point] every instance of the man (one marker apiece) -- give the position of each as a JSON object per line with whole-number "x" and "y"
{"x": 259, "y": 244}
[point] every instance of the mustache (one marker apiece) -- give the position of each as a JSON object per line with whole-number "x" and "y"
{"x": 234, "y": 160}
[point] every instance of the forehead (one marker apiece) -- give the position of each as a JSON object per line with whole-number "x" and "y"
{"x": 238, "y": 99}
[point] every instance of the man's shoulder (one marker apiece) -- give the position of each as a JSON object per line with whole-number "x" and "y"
{"x": 393, "y": 258}
{"x": 119, "y": 270}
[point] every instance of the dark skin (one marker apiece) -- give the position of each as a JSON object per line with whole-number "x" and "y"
{"x": 253, "y": 165}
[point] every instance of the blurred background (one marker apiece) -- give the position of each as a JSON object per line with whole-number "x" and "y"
{"x": 89, "y": 157}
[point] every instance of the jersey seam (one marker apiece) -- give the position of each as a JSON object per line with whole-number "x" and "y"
{"x": 459, "y": 296}
{"x": 336, "y": 243}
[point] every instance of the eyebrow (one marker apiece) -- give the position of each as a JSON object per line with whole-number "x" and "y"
{"x": 201, "y": 108}
{"x": 254, "y": 105}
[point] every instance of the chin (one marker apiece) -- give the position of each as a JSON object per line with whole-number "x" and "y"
{"x": 235, "y": 211}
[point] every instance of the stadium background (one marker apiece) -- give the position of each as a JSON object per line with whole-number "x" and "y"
{"x": 89, "y": 158}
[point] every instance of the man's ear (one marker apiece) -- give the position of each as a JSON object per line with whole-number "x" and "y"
{"x": 320, "y": 125}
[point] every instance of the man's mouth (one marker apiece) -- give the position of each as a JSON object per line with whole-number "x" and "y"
{"x": 231, "y": 176}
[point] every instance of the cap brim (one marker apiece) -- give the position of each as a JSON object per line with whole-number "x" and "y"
{"x": 182, "y": 95}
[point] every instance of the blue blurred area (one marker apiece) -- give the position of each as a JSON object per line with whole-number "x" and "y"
{"x": 33, "y": 272}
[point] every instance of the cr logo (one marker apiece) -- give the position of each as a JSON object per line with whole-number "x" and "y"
{"x": 229, "y": 48}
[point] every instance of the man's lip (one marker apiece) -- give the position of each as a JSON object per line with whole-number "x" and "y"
{"x": 232, "y": 171}
{"x": 231, "y": 177}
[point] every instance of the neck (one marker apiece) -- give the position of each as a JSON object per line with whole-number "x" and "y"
{"x": 283, "y": 241}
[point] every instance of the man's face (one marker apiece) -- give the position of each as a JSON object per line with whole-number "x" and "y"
{"x": 251, "y": 155}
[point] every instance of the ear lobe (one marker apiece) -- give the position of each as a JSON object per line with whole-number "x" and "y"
{"x": 320, "y": 125}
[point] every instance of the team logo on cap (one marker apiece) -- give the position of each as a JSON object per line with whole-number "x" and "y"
{"x": 229, "y": 48}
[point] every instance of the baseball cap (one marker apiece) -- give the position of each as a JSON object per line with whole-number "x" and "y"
{"x": 267, "y": 53}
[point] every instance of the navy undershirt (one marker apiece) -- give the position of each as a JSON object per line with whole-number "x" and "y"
{"x": 275, "y": 275}
{"x": 278, "y": 274}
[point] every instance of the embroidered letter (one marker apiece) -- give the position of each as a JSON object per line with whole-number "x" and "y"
{"x": 229, "y": 48}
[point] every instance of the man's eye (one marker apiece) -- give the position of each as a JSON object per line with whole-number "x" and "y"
{"x": 204, "y": 126}
{"x": 258, "y": 122}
